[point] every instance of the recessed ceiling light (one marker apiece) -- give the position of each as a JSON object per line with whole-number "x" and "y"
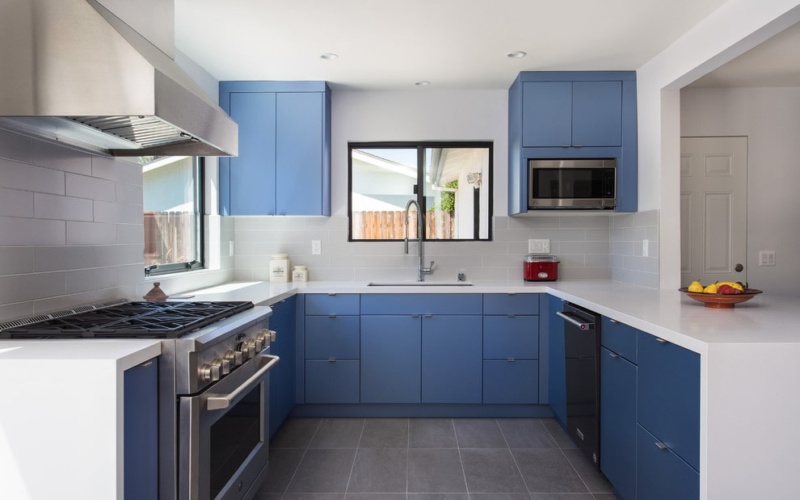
{"x": 516, "y": 54}
{"x": 329, "y": 56}
{"x": 422, "y": 83}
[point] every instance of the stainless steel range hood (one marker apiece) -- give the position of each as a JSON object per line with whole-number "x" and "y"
{"x": 75, "y": 72}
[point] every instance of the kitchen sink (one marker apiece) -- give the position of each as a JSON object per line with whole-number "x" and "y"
{"x": 419, "y": 283}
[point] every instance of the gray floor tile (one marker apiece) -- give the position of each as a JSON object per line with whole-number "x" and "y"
{"x": 499, "y": 496}
{"x": 338, "y": 433}
{"x": 295, "y": 433}
{"x": 562, "y": 496}
{"x": 479, "y": 433}
{"x": 313, "y": 496}
{"x": 548, "y": 471}
{"x": 595, "y": 481}
{"x": 283, "y": 463}
{"x": 432, "y": 470}
{"x": 526, "y": 433}
{"x": 438, "y": 496}
{"x": 375, "y": 496}
{"x": 384, "y": 433}
{"x": 604, "y": 496}
{"x": 379, "y": 470}
{"x": 268, "y": 496}
{"x": 431, "y": 433}
{"x": 491, "y": 471}
{"x": 559, "y": 434}
{"x": 323, "y": 471}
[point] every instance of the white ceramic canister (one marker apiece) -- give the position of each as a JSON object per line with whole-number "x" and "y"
{"x": 299, "y": 273}
{"x": 279, "y": 268}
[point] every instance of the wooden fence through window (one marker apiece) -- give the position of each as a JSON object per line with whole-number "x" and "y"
{"x": 168, "y": 237}
{"x": 390, "y": 225}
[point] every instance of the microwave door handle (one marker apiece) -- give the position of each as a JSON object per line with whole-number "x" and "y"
{"x": 222, "y": 402}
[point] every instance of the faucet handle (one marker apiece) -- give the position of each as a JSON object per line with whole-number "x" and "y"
{"x": 429, "y": 269}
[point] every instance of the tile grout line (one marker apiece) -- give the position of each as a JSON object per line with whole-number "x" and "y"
{"x": 511, "y": 452}
{"x": 408, "y": 452}
{"x": 460, "y": 457}
{"x": 297, "y": 467}
{"x": 355, "y": 457}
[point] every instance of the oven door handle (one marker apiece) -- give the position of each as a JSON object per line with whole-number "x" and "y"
{"x": 222, "y": 402}
{"x": 571, "y": 318}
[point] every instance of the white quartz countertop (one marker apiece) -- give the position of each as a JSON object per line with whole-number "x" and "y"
{"x": 666, "y": 313}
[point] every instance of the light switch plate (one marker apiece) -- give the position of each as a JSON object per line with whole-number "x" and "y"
{"x": 766, "y": 258}
{"x": 538, "y": 246}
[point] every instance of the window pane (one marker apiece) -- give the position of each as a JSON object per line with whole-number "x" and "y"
{"x": 457, "y": 208}
{"x": 383, "y": 182}
{"x": 170, "y": 212}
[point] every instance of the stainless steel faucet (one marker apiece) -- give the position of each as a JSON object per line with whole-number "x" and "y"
{"x": 422, "y": 269}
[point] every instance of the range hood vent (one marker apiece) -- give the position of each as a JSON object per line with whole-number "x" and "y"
{"x": 76, "y": 73}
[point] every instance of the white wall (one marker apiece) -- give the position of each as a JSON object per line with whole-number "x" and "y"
{"x": 731, "y": 30}
{"x": 770, "y": 118}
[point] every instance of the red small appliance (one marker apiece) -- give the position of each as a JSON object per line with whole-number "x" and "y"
{"x": 540, "y": 268}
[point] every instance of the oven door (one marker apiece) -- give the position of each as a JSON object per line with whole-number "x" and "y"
{"x": 223, "y": 434}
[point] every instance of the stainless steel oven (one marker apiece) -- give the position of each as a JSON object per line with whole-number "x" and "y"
{"x": 589, "y": 183}
{"x": 223, "y": 434}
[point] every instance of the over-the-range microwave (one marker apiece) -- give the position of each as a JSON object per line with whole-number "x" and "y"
{"x": 587, "y": 183}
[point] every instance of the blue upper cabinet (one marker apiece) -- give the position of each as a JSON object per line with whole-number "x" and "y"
{"x": 283, "y": 167}
{"x": 575, "y": 114}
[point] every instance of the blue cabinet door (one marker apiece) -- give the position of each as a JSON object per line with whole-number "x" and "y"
{"x": 330, "y": 382}
{"x": 510, "y": 381}
{"x": 282, "y": 376}
{"x": 618, "y": 422}
{"x": 661, "y": 474}
{"x": 141, "y": 430}
{"x": 668, "y": 396}
{"x": 299, "y": 154}
{"x": 511, "y": 336}
{"x": 332, "y": 337}
{"x": 546, "y": 114}
{"x": 248, "y": 180}
{"x": 390, "y": 359}
{"x": 596, "y": 114}
{"x": 451, "y": 359}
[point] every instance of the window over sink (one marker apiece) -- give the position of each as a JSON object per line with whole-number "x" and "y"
{"x": 173, "y": 214}
{"x": 450, "y": 181}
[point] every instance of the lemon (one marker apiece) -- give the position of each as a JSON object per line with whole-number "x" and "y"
{"x": 696, "y": 287}
{"x": 712, "y": 288}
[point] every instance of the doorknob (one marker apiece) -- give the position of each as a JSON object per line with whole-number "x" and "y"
{"x": 738, "y": 268}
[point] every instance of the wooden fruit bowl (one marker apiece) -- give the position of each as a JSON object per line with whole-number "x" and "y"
{"x": 720, "y": 301}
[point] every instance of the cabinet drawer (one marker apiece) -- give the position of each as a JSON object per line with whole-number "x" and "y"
{"x": 661, "y": 474}
{"x": 510, "y": 382}
{"x": 668, "y": 396}
{"x": 332, "y": 337}
{"x": 332, "y": 381}
{"x": 422, "y": 303}
{"x": 505, "y": 303}
{"x": 619, "y": 337}
{"x": 339, "y": 303}
{"x": 507, "y": 337}
{"x": 618, "y": 422}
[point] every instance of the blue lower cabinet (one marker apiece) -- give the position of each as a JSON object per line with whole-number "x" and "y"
{"x": 510, "y": 381}
{"x": 141, "y": 430}
{"x": 451, "y": 359}
{"x": 618, "y": 422}
{"x": 332, "y": 381}
{"x": 390, "y": 358}
{"x": 282, "y": 376}
{"x": 661, "y": 474}
{"x": 332, "y": 337}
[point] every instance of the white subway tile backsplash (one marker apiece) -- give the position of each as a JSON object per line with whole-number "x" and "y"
{"x": 119, "y": 255}
{"x": 32, "y": 286}
{"x": 15, "y": 203}
{"x": 130, "y": 194}
{"x": 47, "y": 154}
{"x": 130, "y": 234}
{"x": 23, "y": 231}
{"x": 18, "y": 175}
{"x": 81, "y": 186}
{"x": 15, "y": 146}
{"x": 117, "y": 213}
{"x": 16, "y": 260}
{"x": 120, "y": 170}
{"x": 48, "y": 206}
{"x": 91, "y": 233}
{"x": 86, "y": 280}
{"x": 63, "y": 258}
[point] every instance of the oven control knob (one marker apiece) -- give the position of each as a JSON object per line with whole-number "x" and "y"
{"x": 234, "y": 358}
{"x": 242, "y": 351}
{"x": 216, "y": 369}
{"x": 226, "y": 367}
{"x": 251, "y": 349}
{"x": 204, "y": 373}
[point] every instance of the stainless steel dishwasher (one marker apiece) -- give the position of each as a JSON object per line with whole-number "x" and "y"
{"x": 582, "y": 364}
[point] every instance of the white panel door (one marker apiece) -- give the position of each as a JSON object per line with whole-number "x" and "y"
{"x": 713, "y": 209}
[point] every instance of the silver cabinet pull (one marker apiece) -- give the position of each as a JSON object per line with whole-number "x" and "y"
{"x": 613, "y": 354}
{"x": 415, "y": 315}
{"x": 512, "y": 360}
{"x": 512, "y": 316}
{"x": 427, "y": 315}
{"x": 583, "y": 325}
{"x": 332, "y": 316}
{"x": 613, "y": 320}
{"x": 661, "y": 341}
{"x": 661, "y": 446}
{"x": 331, "y": 360}
{"x": 219, "y": 402}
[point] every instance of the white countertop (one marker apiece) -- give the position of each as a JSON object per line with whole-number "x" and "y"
{"x": 666, "y": 313}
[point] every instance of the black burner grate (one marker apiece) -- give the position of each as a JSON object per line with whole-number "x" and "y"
{"x": 158, "y": 320}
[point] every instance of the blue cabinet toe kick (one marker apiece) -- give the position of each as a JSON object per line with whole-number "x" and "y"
{"x": 422, "y": 411}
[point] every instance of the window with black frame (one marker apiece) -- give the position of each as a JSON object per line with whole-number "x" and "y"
{"x": 450, "y": 181}
{"x": 173, "y": 214}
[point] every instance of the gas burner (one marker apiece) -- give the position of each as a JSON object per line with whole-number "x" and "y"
{"x": 155, "y": 320}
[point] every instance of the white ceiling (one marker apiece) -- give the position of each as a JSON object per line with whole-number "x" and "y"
{"x": 454, "y": 44}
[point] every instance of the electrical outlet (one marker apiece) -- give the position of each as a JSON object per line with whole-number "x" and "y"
{"x": 645, "y": 248}
{"x": 766, "y": 258}
{"x": 538, "y": 246}
{"x": 316, "y": 247}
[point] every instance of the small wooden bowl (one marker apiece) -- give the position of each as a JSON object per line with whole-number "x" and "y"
{"x": 720, "y": 301}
